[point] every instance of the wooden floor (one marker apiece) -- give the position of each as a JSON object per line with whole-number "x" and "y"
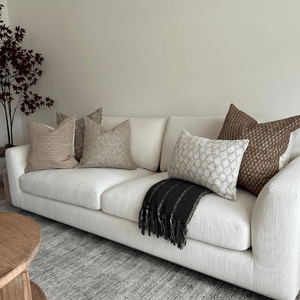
{"x": 2, "y": 193}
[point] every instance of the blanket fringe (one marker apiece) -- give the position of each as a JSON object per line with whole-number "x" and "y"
{"x": 163, "y": 226}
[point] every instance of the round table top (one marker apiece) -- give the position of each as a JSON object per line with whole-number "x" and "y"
{"x": 20, "y": 241}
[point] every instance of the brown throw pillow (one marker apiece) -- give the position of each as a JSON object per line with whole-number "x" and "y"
{"x": 79, "y": 129}
{"x": 106, "y": 149}
{"x": 267, "y": 142}
{"x": 51, "y": 148}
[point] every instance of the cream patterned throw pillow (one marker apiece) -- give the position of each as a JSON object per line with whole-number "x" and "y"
{"x": 106, "y": 149}
{"x": 51, "y": 148}
{"x": 79, "y": 129}
{"x": 214, "y": 164}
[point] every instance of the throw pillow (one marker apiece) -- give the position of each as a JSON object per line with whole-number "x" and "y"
{"x": 79, "y": 129}
{"x": 211, "y": 163}
{"x": 106, "y": 149}
{"x": 51, "y": 148}
{"x": 284, "y": 159}
{"x": 267, "y": 142}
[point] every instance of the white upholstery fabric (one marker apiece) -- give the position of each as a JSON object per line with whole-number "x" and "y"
{"x": 294, "y": 153}
{"x": 216, "y": 221}
{"x": 77, "y": 186}
{"x": 275, "y": 227}
{"x": 208, "y": 127}
{"x": 16, "y": 161}
{"x": 287, "y": 155}
{"x": 229, "y": 265}
{"x": 146, "y": 139}
{"x": 271, "y": 267}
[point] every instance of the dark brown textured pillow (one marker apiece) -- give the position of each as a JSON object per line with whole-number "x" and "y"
{"x": 96, "y": 116}
{"x": 267, "y": 142}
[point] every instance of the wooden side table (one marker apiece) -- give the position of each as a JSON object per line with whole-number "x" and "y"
{"x": 20, "y": 242}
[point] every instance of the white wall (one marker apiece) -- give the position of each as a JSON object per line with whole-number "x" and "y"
{"x": 17, "y": 128}
{"x": 165, "y": 57}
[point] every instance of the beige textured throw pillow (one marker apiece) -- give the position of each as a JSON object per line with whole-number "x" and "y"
{"x": 106, "y": 149}
{"x": 79, "y": 129}
{"x": 214, "y": 164}
{"x": 51, "y": 148}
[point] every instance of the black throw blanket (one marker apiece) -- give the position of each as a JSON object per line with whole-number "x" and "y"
{"x": 168, "y": 207}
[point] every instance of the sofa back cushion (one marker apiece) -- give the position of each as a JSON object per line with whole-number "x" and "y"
{"x": 146, "y": 139}
{"x": 207, "y": 127}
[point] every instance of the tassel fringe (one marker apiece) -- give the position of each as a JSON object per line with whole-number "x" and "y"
{"x": 163, "y": 226}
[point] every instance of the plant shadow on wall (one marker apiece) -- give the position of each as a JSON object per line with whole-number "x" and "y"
{"x": 19, "y": 72}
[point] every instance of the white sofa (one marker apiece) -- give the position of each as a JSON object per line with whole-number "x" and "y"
{"x": 253, "y": 243}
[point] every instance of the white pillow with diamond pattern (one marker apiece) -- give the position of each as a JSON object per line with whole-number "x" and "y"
{"x": 214, "y": 164}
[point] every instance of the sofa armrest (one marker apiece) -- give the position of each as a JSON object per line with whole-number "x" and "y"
{"x": 16, "y": 160}
{"x": 275, "y": 229}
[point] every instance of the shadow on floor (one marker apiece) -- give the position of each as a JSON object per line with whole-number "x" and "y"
{"x": 2, "y": 193}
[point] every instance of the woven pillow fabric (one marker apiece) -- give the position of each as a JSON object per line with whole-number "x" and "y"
{"x": 210, "y": 163}
{"x": 106, "y": 149}
{"x": 79, "y": 129}
{"x": 51, "y": 148}
{"x": 267, "y": 142}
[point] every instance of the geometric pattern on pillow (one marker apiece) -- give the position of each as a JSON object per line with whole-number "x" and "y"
{"x": 267, "y": 142}
{"x": 106, "y": 149}
{"x": 51, "y": 148}
{"x": 79, "y": 129}
{"x": 211, "y": 163}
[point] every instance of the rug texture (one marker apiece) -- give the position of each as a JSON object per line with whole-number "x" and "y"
{"x": 73, "y": 264}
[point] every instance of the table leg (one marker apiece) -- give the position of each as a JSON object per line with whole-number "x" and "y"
{"x": 37, "y": 292}
{"x": 18, "y": 288}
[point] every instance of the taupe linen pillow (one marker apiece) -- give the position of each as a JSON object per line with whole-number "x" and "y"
{"x": 267, "y": 142}
{"x": 51, "y": 148}
{"x": 106, "y": 149}
{"x": 79, "y": 129}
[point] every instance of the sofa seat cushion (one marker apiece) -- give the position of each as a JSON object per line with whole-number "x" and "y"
{"x": 81, "y": 187}
{"x": 216, "y": 220}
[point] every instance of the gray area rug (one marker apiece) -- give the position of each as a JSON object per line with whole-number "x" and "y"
{"x": 74, "y": 264}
